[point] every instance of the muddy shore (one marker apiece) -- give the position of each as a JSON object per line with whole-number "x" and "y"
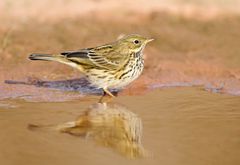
{"x": 186, "y": 51}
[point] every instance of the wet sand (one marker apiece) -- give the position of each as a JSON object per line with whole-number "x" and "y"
{"x": 179, "y": 126}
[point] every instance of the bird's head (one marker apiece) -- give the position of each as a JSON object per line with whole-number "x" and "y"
{"x": 133, "y": 43}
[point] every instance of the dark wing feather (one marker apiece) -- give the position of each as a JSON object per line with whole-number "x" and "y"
{"x": 79, "y": 54}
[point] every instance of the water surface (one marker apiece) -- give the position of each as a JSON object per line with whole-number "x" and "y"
{"x": 169, "y": 126}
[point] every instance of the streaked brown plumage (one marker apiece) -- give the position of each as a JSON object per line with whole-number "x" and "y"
{"x": 113, "y": 65}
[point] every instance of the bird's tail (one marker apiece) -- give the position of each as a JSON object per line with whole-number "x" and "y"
{"x": 51, "y": 57}
{"x": 45, "y": 57}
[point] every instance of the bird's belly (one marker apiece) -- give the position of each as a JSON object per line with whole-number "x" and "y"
{"x": 101, "y": 78}
{"x": 115, "y": 79}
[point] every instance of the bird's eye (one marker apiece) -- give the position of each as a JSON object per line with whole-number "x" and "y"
{"x": 136, "y": 41}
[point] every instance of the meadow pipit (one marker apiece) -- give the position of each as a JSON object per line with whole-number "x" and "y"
{"x": 113, "y": 65}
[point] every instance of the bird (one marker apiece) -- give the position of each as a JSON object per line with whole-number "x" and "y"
{"x": 114, "y": 65}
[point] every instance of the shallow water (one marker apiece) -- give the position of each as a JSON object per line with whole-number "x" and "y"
{"x": 170, "y": 126}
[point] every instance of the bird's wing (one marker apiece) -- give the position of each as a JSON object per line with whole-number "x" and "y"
{"x": 79, "y": 53}
{"x": 102, "y": 57}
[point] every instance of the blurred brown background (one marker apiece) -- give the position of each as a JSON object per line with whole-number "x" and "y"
{"x": 43, "y": 10}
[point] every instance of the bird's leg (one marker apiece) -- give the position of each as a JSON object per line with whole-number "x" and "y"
{"x": 108, "y": 92}
{"x": 105, "y": 96}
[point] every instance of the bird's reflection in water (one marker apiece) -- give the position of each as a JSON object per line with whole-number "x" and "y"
{"x": 110, "y": 125}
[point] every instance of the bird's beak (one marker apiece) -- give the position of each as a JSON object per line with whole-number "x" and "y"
{"x": 149, "y": 40}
